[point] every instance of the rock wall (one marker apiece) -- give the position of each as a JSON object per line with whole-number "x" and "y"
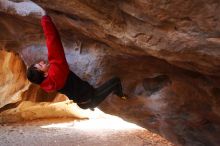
{"x": 13, "y": 81}
{"x": 166, "y": 52}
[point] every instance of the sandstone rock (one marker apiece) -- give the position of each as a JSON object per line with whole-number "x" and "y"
{"x": 166, "y": 53}
{"x": 13, "y": 81}
{"x": 28, "y": 110}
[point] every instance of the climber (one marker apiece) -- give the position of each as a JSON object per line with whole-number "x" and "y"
{"x": 56, "y": 76}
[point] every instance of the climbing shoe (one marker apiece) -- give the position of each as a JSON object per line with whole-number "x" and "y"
{"x": 118, "y": 91}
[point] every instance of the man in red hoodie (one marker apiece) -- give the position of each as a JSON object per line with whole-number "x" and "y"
{"x": 56, "y": 76}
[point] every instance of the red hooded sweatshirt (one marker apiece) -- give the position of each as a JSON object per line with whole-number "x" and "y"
{"x": 59, "y": 69}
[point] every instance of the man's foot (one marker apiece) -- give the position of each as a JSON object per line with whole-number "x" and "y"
{"x": 118, "y": 91}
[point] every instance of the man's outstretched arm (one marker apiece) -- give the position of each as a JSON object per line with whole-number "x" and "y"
{"x": 54, "y": 44}
{"x": 59, "y": 69}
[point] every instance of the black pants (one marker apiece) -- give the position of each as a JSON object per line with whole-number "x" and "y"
{"x": 100, "y": 93}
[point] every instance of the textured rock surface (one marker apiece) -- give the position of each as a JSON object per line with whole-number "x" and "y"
{"x": 13, "y": 81}
{"x": 166, "y": 52}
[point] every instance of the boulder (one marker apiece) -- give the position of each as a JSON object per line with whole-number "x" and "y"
{"x": 166, "y": 53}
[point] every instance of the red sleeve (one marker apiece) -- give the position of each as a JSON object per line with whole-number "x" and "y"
{"x": 59, "y": 70}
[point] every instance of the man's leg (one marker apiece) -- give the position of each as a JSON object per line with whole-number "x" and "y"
{"x": 100, "y": 93}
{"x": 113, "y": 85}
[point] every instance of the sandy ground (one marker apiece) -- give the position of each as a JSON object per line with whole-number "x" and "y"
{"x": 98, "y": 131}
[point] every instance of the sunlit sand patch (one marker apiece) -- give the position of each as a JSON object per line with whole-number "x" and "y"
{"x": 97, "y": 120}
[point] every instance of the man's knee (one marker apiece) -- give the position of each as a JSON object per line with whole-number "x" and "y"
{"x": 83, "y": 106}
{"x": 86, "y": 105}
